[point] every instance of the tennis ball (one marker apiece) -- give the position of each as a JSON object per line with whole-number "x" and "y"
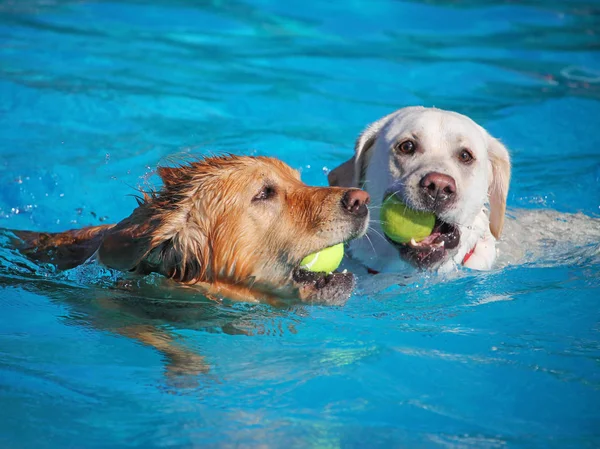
{"x": 402, "y": 224}
{"x": 326, "y": 260}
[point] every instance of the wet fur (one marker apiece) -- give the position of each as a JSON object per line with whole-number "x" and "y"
{"x": 203, "y": 228}
{"x": 378, "y": 168}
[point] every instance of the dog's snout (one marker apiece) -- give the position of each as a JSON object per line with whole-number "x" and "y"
{"x": 441, "y": 188}
{"x": 355, "y": 202}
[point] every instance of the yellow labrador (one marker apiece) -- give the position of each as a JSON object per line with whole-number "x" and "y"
{"x": 437, "y": 161}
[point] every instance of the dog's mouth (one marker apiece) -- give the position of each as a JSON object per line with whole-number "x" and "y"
{"x": 332, "y": 288}
{"x": 433, "y": 249}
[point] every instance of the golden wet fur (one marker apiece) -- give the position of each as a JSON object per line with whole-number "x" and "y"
{"x": 232, "y": 226}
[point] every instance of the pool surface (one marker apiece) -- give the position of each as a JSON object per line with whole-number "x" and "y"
{"x": 93, "y": 94}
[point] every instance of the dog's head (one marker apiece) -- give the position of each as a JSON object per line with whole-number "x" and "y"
{"x": 239, "y": 221}
{"x": 436, "y": 161}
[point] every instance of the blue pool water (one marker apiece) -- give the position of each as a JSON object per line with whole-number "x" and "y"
{"x": 94, "y": 94}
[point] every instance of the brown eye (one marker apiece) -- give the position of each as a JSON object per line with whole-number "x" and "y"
{"x": 266, "y": 193}
{"x": 465, "y": 156}
{"x": 406, "y": 147}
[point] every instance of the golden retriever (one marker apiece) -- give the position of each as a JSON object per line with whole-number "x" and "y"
{"x": 234, "y": 227}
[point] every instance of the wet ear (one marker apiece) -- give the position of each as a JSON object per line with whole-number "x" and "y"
{"x": 127, "y": 243}
{"x": 179, "y": 246}
{"x": 498, "y": 184}
{"x": 352, "y": 172}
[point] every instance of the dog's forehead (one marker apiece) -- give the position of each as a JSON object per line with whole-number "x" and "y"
{"x": 273, "y": 170}
{"x": 433, "y": 126}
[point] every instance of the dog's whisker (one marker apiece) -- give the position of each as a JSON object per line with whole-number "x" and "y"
{"x": 377, "y": 233}
{"x": 371, "y": 243}
{"x": 380, "y": 204}
{"x": 380, "y": 235}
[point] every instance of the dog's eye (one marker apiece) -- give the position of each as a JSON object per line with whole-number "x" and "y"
{"x": 465, "y": 156}
{"x": 406, "y": 147}
{"x": 266, "y": 193}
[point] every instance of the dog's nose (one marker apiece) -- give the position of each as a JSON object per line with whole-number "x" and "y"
{"x": 439, "y": 187}
{"x": 355, "y": 202}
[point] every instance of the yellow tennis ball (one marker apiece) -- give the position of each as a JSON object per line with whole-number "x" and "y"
{"x": 402, "y": 224}
{"x": 326, "y": 260}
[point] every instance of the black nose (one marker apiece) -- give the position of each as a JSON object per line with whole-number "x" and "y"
{"x": 355, "y": 202}
{"x": 438, "y": 189}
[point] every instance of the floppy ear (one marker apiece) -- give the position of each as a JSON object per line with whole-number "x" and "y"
{"x": 131, "y": 240}
{"x": 128, "y": 243}
{"x": 352, "y": 172}
{"x": 498, "y": 185}
{"x": 165, "y": 233}
{"x": 169, "y": 245}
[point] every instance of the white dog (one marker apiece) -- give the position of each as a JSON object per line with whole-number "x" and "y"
{"x": 442, "y": 162}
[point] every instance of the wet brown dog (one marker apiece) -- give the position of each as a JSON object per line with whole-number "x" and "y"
{"x": 234, "y": 227}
